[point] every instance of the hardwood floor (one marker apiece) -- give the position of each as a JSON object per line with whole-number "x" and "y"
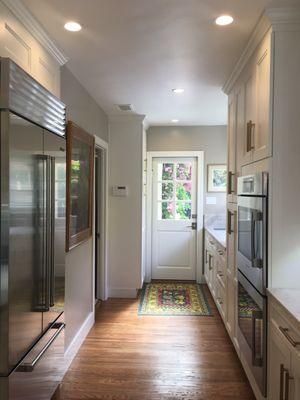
{"x": 127, "y": 357}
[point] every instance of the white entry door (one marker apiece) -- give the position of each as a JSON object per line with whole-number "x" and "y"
{"x": 174, "y": 230}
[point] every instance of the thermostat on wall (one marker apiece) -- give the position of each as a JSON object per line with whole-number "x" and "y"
{"x": 120, "y": 191}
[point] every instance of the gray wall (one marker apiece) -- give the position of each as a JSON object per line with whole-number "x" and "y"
{"x": 81, "y": 107}
{"x": 210, "y": 139}
{"x": 85, "y": 112}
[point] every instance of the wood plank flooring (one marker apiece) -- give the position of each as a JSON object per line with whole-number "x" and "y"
{"x": 131, "y": 357}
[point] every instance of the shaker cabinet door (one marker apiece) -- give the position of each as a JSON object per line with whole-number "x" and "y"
{"x": 262, "y": 139}
{"x": 279, "y": 364}
{"x": 231, "y": 146}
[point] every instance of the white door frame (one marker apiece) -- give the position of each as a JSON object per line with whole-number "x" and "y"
{"x": 199, "y": 155}
{"x": 103, "y": 251}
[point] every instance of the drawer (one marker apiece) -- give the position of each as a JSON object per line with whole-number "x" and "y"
{"x": 289, "y": 333}
{"x": 41, "y": 371}
{"x": 220, "y": 297}
{"x": 210, "y": 242}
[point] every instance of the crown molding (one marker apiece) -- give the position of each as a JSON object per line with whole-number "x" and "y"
{"x": 259, "y": 32}
{"x": 277, "y": 18}
{"x": 283, "y": 15}
{"x": 126, "y": 118}
{"x": 35, "y": 29}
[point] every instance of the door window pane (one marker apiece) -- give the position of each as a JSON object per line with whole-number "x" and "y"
{"x": 183, "y": 210}
{"x": 167, "y": 171}
{"x": 184, "y": 171}
{"x": 184, "y": 191}
{"x": 166, "y": 210}
{"x": 167, "y": 191}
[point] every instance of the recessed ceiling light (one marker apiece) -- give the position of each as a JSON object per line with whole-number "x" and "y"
{"x": 177, "y": 90}
{"x": 72, "y": 26}
{"x": 224, "y": 20}
{"x": 175, "y": 121}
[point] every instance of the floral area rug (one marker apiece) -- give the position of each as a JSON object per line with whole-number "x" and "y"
{"x": 172, "y": 298}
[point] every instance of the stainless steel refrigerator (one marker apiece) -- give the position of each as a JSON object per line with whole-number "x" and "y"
{"x": 32, "y": 236}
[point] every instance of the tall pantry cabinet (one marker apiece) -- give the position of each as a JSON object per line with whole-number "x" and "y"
{"x": 264, "y": 134}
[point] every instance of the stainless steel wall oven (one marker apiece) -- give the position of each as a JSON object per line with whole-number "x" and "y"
{"x": 252, "y": 264}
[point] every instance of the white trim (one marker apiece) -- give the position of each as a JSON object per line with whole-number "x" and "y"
{"x": 277, "y": 18}
{"x": 103, "y": 271}
{"x": 283, "y": 15}
{"x": 122, "y": 293}
{"x": 259, "y": 32}
{"x": 78, "y": 339}
{"x": 126, "y": 117}
{"x": 199, "y": 155}
{"x": 35, "y": 29}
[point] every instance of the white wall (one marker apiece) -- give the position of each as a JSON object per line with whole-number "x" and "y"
{"x": 210, "y": 139}
{"x": 125, "y": 213}
{"x": 79, "y": 303}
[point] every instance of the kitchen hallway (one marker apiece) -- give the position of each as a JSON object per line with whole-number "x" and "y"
{"x": 127, "y": 356}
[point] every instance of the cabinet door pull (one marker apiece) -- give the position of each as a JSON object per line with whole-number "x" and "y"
{"x": 229, "y": 182}
{"x": 285, "y": 333}
{"x": 288, "y": 378}
{"x": 281, "y": 382}
{"x": 250, "y": 126}
{"x": 209, "y": 261}
{"x": 229, "y": 227}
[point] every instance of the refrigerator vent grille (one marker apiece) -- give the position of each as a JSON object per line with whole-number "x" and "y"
{"x": 27, "y": 98}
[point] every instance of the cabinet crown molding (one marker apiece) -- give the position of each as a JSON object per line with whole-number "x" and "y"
{"x": 283, "y": 15}
{"x": 277, "y": 18}
{"x": 259, "y": 32}
{"x": 35, "y": 29}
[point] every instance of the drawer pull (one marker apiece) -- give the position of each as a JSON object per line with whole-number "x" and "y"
{"x": 285, "y": 333}
{"x": 220, "y": 274}
{"x": 29, "y": 367}
{"x": 221, "y": 252}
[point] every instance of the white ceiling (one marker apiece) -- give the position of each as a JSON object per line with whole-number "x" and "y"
{"x": 136, "y": 51}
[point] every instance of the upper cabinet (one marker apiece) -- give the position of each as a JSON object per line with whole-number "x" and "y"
{"x": 23, "y": 40}
{"x": 249, "y": 115}
{"x": 231, "y": 148}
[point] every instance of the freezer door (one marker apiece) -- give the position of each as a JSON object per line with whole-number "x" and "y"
{"x": 23, "y": 324}
{"x": 41, "y": 371}
{"x": 55, "y": 152}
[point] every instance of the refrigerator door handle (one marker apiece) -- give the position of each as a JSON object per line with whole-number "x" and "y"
{"x": 47, "y": 240}
{"x": 29, "y": 367}
{"x": 52, "y": 232}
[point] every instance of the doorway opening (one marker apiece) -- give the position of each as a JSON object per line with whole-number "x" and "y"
{"x": 175, "y": 216}
{"x": 100, "y": 221}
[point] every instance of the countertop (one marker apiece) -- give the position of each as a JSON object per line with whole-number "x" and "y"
{"x": 219, "y": 235}
{"x": 289, "y": 299}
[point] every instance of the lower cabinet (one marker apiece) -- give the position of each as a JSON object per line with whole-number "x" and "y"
{"x": 215, "y": 272}
{"x": 284, "y": 357}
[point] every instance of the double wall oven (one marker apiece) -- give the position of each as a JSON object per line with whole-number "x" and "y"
{"x": 252, "y": 273}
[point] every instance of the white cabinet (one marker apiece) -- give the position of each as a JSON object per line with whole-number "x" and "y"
{"x": 215, "y": 272}
{"x": 252, "y": 96}
{"x": 231, "y": 281}
{"x": 284, "y": 355}
{"x": 17, "y": 43}
{"x": 231, "y": 149}
{"x": 279, "y": 365}
{"x": 262, "y": 129}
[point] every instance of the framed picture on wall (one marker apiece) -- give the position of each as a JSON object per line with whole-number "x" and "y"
{"x": 216, "y": 178}
{"x": 80, "y": 170}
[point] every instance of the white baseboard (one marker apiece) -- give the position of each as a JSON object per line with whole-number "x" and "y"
{"x": 78, "y": 339}
{"x": 122, "y": 293}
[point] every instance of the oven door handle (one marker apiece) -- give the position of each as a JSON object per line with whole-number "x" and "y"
{"x": 256, "y": 361}
{"x": 256, "y": 262}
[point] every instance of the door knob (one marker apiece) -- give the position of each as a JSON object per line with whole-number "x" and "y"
{"x": 193, "y": 226}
